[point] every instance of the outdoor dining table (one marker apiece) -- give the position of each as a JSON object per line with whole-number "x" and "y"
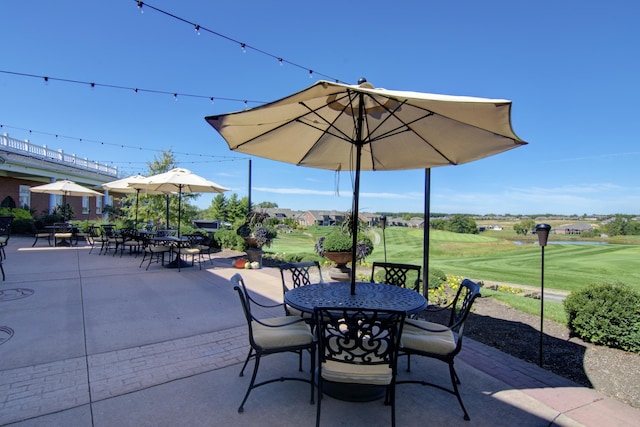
{"x": 368, "y": 295}
{"x": 377, "y": 296}
{"x": 176, "y": 243}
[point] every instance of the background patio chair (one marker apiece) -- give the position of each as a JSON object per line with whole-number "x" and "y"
{"x": 358, "y": 346}
{"x": 441, "y": 342}
{"x": 296, "y": 274}
{"x": 396, "y": 274}
{"x": 155, "y": 250}
{"x": 271, "y": 336}
{"x": 62, "y": 232}
{"x": 5, "y": 233}
{"x": 190, "y": 248}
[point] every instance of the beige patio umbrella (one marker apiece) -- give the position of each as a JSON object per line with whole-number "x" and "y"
{"x": 179, "y": 181}
{"x": 358, "y": 127}
{"x": 123, "y": 186}
{"x": 65, "y": 188}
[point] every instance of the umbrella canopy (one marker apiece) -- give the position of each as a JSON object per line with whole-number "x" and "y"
{"x": 65, "y": 188}
{"x": 123, "y": 186}
{"x": 179, "y": 181}
{"x": 343, "y": 127}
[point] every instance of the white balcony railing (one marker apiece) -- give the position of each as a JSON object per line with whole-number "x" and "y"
{"x": 42, "y": 152}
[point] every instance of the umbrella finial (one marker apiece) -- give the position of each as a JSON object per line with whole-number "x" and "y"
{"x": 362, "y": 80}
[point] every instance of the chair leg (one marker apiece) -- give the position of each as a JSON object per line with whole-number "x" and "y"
{"x": 253, "y": 380}
{"x": 2, "y": 269}
{"x": 454, "y": 377}
{"x": 319, "y": 404}
{"x": 249, "y": 356}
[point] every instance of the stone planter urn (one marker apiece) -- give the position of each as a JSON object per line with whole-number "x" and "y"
{"x": 340, "y": 272}
{"x": 255, "y": 255}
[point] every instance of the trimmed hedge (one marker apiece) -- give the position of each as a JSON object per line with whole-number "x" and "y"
{"x": 606, "y": 314}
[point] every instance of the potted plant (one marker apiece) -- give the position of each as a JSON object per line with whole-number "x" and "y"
{"x": 256, "y": 235}
{"x": 337, "y": 247}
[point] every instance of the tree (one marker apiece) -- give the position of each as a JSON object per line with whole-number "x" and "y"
{"x": 266, "y": 205}
{"x": 219, "y": 208}
{"x": 462, "y": 224}
{"x": 523, "y": 227}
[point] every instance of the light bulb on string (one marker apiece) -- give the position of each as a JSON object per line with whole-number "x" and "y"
{"x": 197, "y": 29}
{"x": 211, "y": 99}
{"x": 140, "y": 4}
{"x": 243, "y": 47}
{"x": 175, "y": 96}
{"x": 280, "y": 61}
{"x": 310, "y": 74}
{"x": 46, "y": 80}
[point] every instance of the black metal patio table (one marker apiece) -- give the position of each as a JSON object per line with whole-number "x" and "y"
{"x": 368, "y": 295}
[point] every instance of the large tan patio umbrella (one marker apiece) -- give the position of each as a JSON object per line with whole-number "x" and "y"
{"x": 343, "y": 127}
{"x": 65, "y": 188}
{"x": 179, "y": 181}
{"x": 123, "y": 186}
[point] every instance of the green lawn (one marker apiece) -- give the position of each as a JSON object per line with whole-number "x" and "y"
{"x": 482, "y": 257}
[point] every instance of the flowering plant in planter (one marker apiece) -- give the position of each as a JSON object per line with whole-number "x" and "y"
{"x": 255, "y": 233}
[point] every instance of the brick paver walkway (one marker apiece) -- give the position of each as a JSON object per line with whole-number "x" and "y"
{"x": 51, "y": 387}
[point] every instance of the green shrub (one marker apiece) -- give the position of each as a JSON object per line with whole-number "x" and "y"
{"x": 229, "y": 239}
{"x": 22, "y": 226}
{"x": 606, "y": 314}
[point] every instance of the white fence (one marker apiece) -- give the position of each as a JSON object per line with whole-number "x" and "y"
{"x": 44, "y": 153}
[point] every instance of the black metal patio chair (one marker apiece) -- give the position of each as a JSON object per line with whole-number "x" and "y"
{"x": 441, "y": 342}
{"x": 272, "y": 336}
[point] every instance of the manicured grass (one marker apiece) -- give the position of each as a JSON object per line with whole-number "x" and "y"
{"x": 484, "y": 257}
{"x": 552, "y": 310}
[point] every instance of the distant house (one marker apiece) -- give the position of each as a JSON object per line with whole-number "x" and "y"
{"x": 325, "y": 218}
{"x": 575, "y": 229}
{"x": 279, "y": 213}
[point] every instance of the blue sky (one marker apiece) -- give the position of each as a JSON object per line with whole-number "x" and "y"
{"x": 571, "y": 69}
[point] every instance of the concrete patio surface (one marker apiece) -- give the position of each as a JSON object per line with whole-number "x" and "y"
{"x": 94, "y": 340}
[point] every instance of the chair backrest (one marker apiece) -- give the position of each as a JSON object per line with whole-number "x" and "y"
{"x": 245, "y": 300}
{"x": 461, "y": 306}
{"x": 357, "y": 336}
{"x": 5, "y": 226}
{"x": 62, "y": 227}
{"x": 396, "y": 274}
{"x": 299, "y": 273}
{"x": 107, "y": 230}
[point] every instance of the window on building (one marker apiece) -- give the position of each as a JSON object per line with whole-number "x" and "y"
{"x": 85, "y": 205}
{"x": 25, "y": 197}
{"x": 99, "y": 205}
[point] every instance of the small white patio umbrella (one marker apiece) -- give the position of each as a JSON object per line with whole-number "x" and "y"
{"x": 123, "y": 186}
{"x": 65, "y": 188}
{"x": 178, "y": 180}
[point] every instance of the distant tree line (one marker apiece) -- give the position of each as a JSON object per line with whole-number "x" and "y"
{"x": 457, "y": 224}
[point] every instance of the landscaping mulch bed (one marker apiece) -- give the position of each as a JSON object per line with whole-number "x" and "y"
{"x": 612, "y": 372}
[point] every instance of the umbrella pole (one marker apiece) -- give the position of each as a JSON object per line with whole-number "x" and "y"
{"x": 179, "y": 203}
{"x": 356, "y": 195}
{"x": 426, "y": 233}
{"x": 135, "y": 225}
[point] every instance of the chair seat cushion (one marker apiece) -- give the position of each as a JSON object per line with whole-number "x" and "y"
{"x": 358, "y": 374}
{"x": 296, "y": 334}
{"x": 189, "y": 251}
{"x": 414, "y": 338}
{"x": 63, "y": 235}
{"x": 158, "y": 249}
{"x": 298, "y": 313}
